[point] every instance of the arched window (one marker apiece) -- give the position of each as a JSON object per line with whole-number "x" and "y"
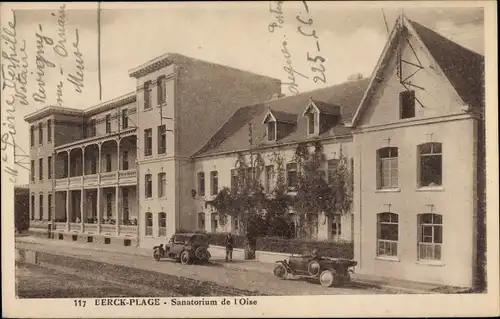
{"x": 430, "y": 164}
{"x": 387, "y": 234}
{"x": 149, "y": 224}
{"x": 33, "y": 207}
{"x": 387, "y": 167}
{"x": 49, "y": 207}
{"x": 430, "y": 236}
{"x": 40, "y": 217}
{"x": 162, "y": 224}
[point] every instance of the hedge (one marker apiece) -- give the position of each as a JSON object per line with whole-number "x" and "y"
{"x": 290, "y": 246}
{"x": 297, "y": 246}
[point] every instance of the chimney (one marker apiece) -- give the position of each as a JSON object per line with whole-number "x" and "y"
{"x": 355, "y": 77}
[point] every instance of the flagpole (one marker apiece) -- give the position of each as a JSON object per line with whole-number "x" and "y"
{"x": 99, "y": 48}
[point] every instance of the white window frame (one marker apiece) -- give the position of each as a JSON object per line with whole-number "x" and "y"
{"x": 424, "y": 247}
{"x": 391, "y": 162}
{"x": 387, "y": 244}
{"x": 162, "y": 185}
{"x": 432, "y": 153}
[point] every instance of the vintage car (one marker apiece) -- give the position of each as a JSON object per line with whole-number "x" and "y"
{"x": 329, "y": 271}
{"x": 186, "y": 248}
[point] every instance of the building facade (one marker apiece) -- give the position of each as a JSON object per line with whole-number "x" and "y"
{"x": 140, "y": 167}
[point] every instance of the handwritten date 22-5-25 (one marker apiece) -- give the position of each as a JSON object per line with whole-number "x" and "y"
{"x": 316, "y": 60}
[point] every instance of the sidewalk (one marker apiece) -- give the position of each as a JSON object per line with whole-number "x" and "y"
{"x": 392, "y": 284}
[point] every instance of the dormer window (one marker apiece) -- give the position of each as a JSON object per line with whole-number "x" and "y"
{"x": 271, "y": 131}
{"x": 279, "y": 124}
{"x": 321, "y": 116}
{"x": 311, "y": 123}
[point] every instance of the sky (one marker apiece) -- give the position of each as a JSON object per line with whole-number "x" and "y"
{"x": 350, "y": 39}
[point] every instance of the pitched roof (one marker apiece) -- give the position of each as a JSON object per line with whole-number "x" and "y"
{"x": 327, "y": 108}
{"x": 284, "y": 116}
{"x": 233, "y": 135}
{"x": 463, "y": 67}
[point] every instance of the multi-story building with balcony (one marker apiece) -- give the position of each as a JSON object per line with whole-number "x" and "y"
{"x": 144, "y": 165}
{"x": 121, "y": 171}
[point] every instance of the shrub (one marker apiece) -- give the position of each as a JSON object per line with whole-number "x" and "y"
{"x": 219, "y": 239}
{"x": 296, "y": 246}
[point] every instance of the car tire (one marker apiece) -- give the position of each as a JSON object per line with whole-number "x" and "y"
{"x": 156, "y": 256}
{"x": 314, "y": 268}
{"x": 328, "y": 278}
{"x": 185, "y": 258}
{"x": 280, "y": 271}
{"x": 201, "y": 253}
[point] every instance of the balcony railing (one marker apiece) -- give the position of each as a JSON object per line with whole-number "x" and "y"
{"x": 91, "y": 180}
{"x": 128, "y": 230}
{"x": 75, "y": 181}
{"x": 128, "y": 176}
{"x": 61, "y": 183}
{"x": 75, "y": 227}
{"x": 59, "y": 226}
{"x": 109, "y": 178}
{"x": 108, "y": 229}
{"x": 90, "y": 228}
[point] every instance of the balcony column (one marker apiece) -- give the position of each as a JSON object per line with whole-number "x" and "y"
{"x": 69, "y": 165}
{"x": 83, "y": 162}
{"x": 98, "y": 209}
{"x": 81, "y": 208}
{"x": 67, "y": 210}
{"x": 117, "y": 206}
{"x": 99, "y": 164}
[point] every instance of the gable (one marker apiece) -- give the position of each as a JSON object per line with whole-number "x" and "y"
{"x": 421, "y": 73}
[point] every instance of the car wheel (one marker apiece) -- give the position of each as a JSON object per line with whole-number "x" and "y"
{"x": 280, "y": 271}
{"x": 201, "y": 253}
{"x": 314, "y": 268}
{"x": 328, "y": 278}
{"x": 185, "y": 258}
{"x": 156, "y": 256}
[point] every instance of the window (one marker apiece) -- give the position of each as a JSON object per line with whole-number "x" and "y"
{"x": 291, "y": 175}
{"x": 109, "y": 207}
{"x": 125, "y": 118}
{"x": 201, "y": 221}
{"x": 162, "y": 139}
{"x": 40, "y": 169}
{"x": 387, "y": 234}
{"x": 49, "y": 130}
{"x": 215, "y": 222}
{"x": 92, "y": 128}
{"x": 49, "y": 207}
{"x": 108, "y": 163}
{"x": 407, "y": 104}
{"x": 49, "y": 167}
{"x": 271, "y": 131}
{"x": 40, "y": 217}
{"x": 311, "y": 123}
{"x": 147, "y": 89}
{"x": 388, "y": 167}
{"x": 162, "y": 185}
{"x": 32, "y": 135}
{"x": 201, "y": 184}
{"x": 93, "y": 166}
{"x": 32, "y": 207}
{"x": 269, "y": 178}
{"x": 234, "y": 178}
{"x": 148, "y": 191}
{"x": 332, "y": 166}
{"x": 214, "y": 178}
{"x": 162, "y": 224}
{"x": 40, "y": 133}
{"x": 236, "y": 224}
{"x": 108, "y": 123}
{"x": 149, "y": 224}
{"x": 336, "y": 227}
{"x": 161, "y": 90}
{"x": 148, "y": 142}
{"x": 430, "y": 236}
{"x": 125, "y": 160}
{"x": 125, "y": 209}
{"x": 431, "y": 162}
{"x": 32, "y": 171}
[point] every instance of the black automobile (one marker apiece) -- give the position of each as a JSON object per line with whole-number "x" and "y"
{"x": 185, "y": 247}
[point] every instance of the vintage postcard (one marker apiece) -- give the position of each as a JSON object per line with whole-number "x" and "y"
{"x": 249, "y": 159}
